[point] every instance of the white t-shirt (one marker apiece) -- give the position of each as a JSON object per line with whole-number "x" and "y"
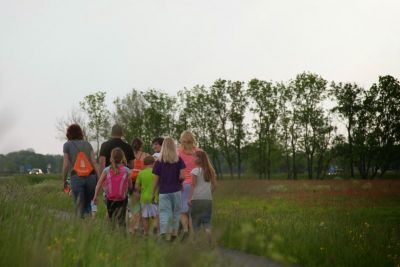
{"x": 157, "y": 155}
{"x": 202, "y": 190}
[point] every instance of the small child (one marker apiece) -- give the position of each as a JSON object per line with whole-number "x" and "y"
{"x": 144, "y": 184}
{"x": 204, "y": 183}
{"x": 115, "y": 181}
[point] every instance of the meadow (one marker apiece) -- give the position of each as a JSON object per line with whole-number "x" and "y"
{"x": 306, "y": 223}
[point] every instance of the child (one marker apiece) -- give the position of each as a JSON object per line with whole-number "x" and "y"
{"x": 144, "y": 184}
{"x": 204, "y": 183}
{"x": 115, "y": 181}
{"x": 168, "y": 176}
{"x": 156, "y": 144}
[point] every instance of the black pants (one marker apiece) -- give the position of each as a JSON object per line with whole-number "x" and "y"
{"x": 117, "y": 211}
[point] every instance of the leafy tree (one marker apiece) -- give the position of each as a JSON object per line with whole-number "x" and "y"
{"x": 348, "y": 103}
{"x": 237, "y": 111}
{"x": 98, "y": 116}
{"x": 264, "y": 96}
{"x": 309, "y": 90}
{"x": 219, "y": 107}
{"x": 129, "y": 113}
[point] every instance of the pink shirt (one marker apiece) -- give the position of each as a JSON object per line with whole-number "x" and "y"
{"x": 189, "y": 160}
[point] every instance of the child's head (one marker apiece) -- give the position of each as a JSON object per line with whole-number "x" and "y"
{"x": 157, "y": 143}
{"x": 187, "y": 140}
{"x": 168, "y": 151}
{"x": 203, "y": 161}
{"x": 117, "y": 157}
{"x": 148, "y": 161}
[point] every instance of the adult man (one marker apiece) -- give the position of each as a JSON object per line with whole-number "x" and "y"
{"x": 115, "y": 141}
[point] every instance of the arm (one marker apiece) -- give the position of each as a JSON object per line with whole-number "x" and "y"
{"x": 65, "y": 167}
{"x": 130, "y": 185}
{"x": 192, "y": 189}
{"x": 155, "y": 185}
{"x": 102, "y": 162}
{"x": 94, "y": 164}
{"x": 98, "y": 186}
{"x": 213, "y": 184}
{"x": 181, "y": 175}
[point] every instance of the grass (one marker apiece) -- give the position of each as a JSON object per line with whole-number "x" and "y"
{"x": 310, "y": 223}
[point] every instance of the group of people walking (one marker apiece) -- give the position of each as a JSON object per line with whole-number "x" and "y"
{"x": 173, "y": 187}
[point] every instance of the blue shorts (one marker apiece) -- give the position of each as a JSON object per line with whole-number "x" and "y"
{"x": 185, "y": 198}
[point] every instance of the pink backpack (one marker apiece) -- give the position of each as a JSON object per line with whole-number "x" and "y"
{"x": 116, "y": 185}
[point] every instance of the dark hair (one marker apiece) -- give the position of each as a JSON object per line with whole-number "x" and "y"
{"x": 137, "y": 144}
{"x": 116, "y": 130}
{"x": 158, "y": 140}
{"x": 149, "y": 160}
{"x": 74, "y": 132}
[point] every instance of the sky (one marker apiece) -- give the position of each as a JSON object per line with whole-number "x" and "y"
{"x": 53, "y": 53}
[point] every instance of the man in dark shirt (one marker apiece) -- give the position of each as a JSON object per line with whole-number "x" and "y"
{"x": 115, "y": 141}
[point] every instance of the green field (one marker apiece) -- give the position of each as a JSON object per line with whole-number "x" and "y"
{"x": 309, "y": 223}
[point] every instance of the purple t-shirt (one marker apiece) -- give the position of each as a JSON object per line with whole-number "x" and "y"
{"x": 168, "y": 174}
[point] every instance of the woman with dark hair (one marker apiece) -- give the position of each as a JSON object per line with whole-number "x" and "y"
{"x": 80, "y": 161}
{"x": 138, "y": 165}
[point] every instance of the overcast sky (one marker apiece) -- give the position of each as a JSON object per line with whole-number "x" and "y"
{"x": 53, "y": 53}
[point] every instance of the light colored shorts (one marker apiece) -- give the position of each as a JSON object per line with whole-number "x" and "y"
{"x": 149, "y": 210}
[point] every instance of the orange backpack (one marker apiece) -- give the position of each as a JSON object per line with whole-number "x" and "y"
{"x": 82, "y": 165}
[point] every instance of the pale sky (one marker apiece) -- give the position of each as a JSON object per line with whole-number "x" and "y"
{"x": 53, "y": 53}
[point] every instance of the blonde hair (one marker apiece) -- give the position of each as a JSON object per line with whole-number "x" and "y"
{"x": 205, "y": 164}
{"x": 168, "y": 151}
{"x": 117, "y": 157}
{"x": 188, "y": 141}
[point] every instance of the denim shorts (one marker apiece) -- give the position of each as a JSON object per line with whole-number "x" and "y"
{"x": 201, "y": 212}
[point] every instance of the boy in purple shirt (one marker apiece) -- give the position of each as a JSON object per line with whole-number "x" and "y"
{"x": 168, "y": 178}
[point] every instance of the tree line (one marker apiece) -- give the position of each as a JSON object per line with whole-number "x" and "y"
{"x": 264, "y": 128}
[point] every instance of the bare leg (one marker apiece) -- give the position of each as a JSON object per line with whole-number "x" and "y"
{"x": 145, "y": 222}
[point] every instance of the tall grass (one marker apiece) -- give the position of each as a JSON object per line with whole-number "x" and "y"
{"x": 37, "y": 229}
{"x": 310, "y": 223}
{"x": 323, "y": 223}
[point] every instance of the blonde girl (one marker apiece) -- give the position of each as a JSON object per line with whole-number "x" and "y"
{"x": 187, "y": 151}
{"x": 168, "y": 176}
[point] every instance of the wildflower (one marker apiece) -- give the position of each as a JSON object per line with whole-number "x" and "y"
{"x": 321, "y": 224}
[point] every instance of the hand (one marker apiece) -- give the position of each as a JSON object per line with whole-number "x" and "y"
{"x": 190, "y": 203}
{"x": 95, "y": 200}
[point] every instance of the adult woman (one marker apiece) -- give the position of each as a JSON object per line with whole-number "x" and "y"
{"x": 187, "y": 151}
{"x": 83, "y": 171}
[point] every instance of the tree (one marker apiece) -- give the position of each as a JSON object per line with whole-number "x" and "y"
{"x": 99, "y": 117}
{"x": 310, "y": 91}
{"x": 219, "y": 107}
{"x": 348, "y": 103}
{"x": 237, "y": 111}
{"x": 264, "y": 96}
{"x": 129, "y": 113}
